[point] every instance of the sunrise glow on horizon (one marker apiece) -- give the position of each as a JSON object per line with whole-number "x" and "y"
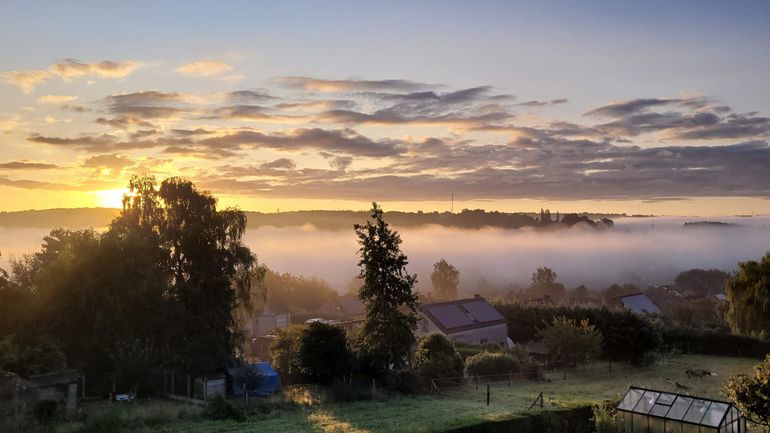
{"x": 639, "y": 109}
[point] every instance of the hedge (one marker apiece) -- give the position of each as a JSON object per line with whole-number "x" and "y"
{"x": 713, "y": 342}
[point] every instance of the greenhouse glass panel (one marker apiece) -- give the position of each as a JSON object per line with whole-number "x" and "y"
{"x": 646, "y": 402}
{"x": 696, "y": 411}
{"x": 659, "y": 409}
{"x": 679, "y": 408}
{"x": 632, "y": 397}
{"x": 667, "y": 412}
{"x": 716, "y": 412}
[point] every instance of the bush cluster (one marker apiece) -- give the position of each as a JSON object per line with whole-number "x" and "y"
{"x": 626, "y": 336}
{"x": 712, "y": 342}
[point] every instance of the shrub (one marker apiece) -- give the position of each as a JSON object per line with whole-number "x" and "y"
{"x": 323, "y": 353}
{"x": 284, "y": 349}
{"x": 106, "y": 422}
{"x": 404, "y": 381}
{"x": 342, "y": 391}
{"x": 712, "y": 342}
{"x": 626, "y": 336}
{"x": 570, "y": 342}
{"x": 220, "y": 408}
{"x": 436, "y": 357}
{"x": 491, "y": 363}
{"x": 606, "y": 418}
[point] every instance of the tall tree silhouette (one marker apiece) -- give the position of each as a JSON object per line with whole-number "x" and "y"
{"x": 387, "y": 335}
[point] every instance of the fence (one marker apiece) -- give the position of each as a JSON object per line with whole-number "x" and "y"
{"x": 519, "y": 389}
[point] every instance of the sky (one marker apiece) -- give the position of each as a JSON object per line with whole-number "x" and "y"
{"x": 603, "y": 106}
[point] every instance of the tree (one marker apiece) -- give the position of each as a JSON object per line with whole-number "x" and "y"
{"x": 752, "y": 394}
{"x": 748, "y": 295}
{"x": 445, "y": 279}
{"x": 544, "y": 283}
{"x": 387, "y": 335}
{"x": 570, "y": 342}
{"x": 702, "y": 282}
{"x": 284, "y": 349}
{"x": 323, "y": 352}
{"x": 436, "y": 357}
{"x": 201, "y": 253}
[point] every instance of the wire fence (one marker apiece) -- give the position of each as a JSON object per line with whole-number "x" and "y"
{"x": 501, "y": 389}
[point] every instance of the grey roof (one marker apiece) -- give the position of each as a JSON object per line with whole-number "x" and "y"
{"x": 677, "y": 407}
{"x": 56, "y": 378}
{"x": 351, "y": 305}
{"x": 639, "y": 303}
{"x": 463, "y": 314}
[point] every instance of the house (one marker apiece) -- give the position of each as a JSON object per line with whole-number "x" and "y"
{"x": 268, "y": 321}
{"x": 720, "y": 297}
{"x": 544, "y": 300}
{"x": 638, "y": 303}
{"x": 470, "y": 321}
{"x": 60, "y": 386}
{"x": 341, "y": 308}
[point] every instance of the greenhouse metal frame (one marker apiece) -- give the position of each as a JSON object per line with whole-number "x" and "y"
{"x": 651, "y": 411}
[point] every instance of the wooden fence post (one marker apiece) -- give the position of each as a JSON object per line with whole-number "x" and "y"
{"x": 477, "y": 383}
{"x": 205, "y": 389}
{"x": 114, "y": 385}
{"x": 487, "y": 394}
{"x": 83, "y": 387}
{"x": 172, "y": 382}
{"x": 509, "y": 378}
{"x": 188, "y": 387}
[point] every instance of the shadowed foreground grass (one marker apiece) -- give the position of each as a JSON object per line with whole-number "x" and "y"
{"x": 458, "y": 407}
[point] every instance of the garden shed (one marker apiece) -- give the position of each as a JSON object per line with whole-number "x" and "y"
{"x": 649, "y": 411}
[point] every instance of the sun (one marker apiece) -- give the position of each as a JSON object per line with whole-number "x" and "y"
{"x": 110, "y": 197}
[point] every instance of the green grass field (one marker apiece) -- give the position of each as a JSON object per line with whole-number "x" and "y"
{"x": 454, "y": 408}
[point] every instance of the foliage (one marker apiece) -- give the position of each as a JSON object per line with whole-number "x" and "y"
{"x": 404, "y": 381}
{"x": 297, "y": 292}
{"x": 712, "y": 342}
{"x": 544, "y": 283}
{"x": 702, "y": 282}
{"x": 445, "y": 278}
{"x": 40, "y": 356}
{"x": 436, "y": 357}
{"x": 570, "y": 342}
{"x": 606, "y": 418}
{"x": 285, "y": 348}
{"x": 752, "y": 394}
{"x": 626, "y": 336}
{"x": 323, "y": 352}
{"x": 158, "y": 288}
{"x": 491, "y": 363}
{"x": 220, "y": 408}
{"x": 387, "y": 335}
{"x": 748, "y": 294}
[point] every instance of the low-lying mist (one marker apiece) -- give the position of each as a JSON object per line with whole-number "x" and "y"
{"x": 633, "y": 252}
{"x": 638, "y": 250}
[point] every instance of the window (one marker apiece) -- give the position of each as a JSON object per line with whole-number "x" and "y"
{"x": 484, "y": 341}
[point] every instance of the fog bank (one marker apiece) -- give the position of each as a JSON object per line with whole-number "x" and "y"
{"x": 638, "y": 250}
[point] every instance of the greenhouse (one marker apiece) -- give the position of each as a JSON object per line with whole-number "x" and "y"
{"x": 650, "y": 411}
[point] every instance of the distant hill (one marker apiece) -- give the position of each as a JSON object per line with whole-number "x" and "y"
{"x": 323, "y": 219}
{"x": 67, "y": 218}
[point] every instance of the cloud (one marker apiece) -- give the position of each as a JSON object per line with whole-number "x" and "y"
{"x": 55, "y": 99}
{"x": 249, "y": 96}
{"x": 25, "y": 80}
{"x": 72, "y": 68}
{"x": 150, "y": 104}
{"x": 111, "y": 165}
{"x": 624, "y": 108}
{"x": 26, "y": 165}
{"x": 536, "y": 103}
{"x": 282, "y": 163}
{"x": 344, "y": 141}
{"x": 321, "y": 85}
{"x": 204, "y": 68}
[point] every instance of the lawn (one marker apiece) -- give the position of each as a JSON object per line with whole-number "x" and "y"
{"x": 457, "y": 408}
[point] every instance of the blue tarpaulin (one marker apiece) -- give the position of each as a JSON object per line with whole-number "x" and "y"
{"x": 269, "y": 382}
